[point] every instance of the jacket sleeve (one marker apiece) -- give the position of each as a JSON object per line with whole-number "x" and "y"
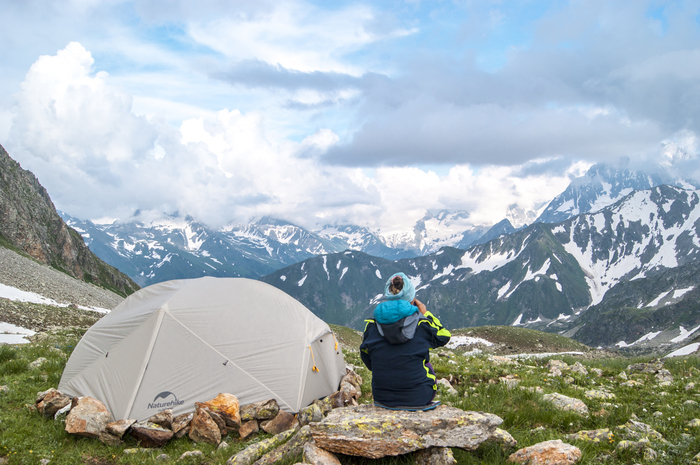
{"x": 364, "y": 352}
{"x": 439, "y": 335}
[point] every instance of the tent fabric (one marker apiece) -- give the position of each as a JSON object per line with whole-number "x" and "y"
{"x": 184, "y": 341}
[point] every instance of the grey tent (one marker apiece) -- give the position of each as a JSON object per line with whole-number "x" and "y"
{"x": 184, "y": 341}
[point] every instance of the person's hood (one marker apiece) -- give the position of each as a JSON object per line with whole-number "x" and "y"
{"x": 391, "y": 311}
{"x": 400, "y": 331}
{"x": 408, "y": 293}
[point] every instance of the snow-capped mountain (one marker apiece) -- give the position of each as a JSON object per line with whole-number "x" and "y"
{"x": 434, "y": 231}
{"x": 602, "y": 186}
{"x": 359, "y": 238}
{"x": 558, "y": 277}
{"x": 175, "y": 247}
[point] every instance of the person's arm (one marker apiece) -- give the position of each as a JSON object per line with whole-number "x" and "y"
{"x": 439, "y": 335}
{"x": 364, "y": 352}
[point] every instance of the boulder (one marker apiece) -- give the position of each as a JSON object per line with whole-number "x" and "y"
{"x": 314, "y": 455}
{"x": 164, "y": 419}
{"x": 181, "y": 423}
{"x": 203, "y": 428}
{"x": 288, "y": 450}
{"x": 374, "y": 432}
{"x": 264, "y": 410}
{"x": 248, "y": 428}
{"x": 253, "y": 452}
{"x": 434, "y": 456}
{"x": 597, "y": 371}
{"x": 88, "y": 417}
{"x": 150, "y": 434}
{"x": 119, "y": 428}
{"x": 228, "y": 407}
{"x": 219, "y": 420}
{"x": 282, "y": 422}
{"x": 565, "y": 403}
{"x": 553, "y": 452}
{"x": 51, "y": 401}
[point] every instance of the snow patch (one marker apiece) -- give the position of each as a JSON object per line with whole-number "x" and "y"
{"x": 345, "y": 270}
{"x": 687, "y": 350}
{"x": 684, "y": 334}
{"x": 517, "y": 320}
{"x": 378, "y": 273}
{"x": 283, "y": 278}
{"x": 301, "y": 281}
{"x": 459, "y": 341}
{"x": 12, "y": 334}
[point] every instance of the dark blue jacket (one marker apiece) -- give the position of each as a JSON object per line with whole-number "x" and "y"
{"x": 397, "y": 352}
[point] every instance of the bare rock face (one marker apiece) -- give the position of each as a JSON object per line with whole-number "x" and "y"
{"x": 314, "y": 455}
{"x": 51, "y": 401}
{"x": 228, "y": 407}
{"x": 150, "y": 434}
{"x": 88, "y": 417}
{"x": 547, "y": 453}
{"x": 282, "y": 422}
{"x": 435, "y": 456}
{"x": 203, "y": 428}
{"x": 373, "y": 432}
{"x": 29, "y": 221}
{"x": 264, "y": 410}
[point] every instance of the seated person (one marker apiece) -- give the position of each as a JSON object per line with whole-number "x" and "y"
{"x": 396, "y": 347}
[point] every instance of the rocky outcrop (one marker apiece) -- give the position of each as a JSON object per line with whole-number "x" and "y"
{"x": 373, "y": 432}
{"x": 29, "y": 222}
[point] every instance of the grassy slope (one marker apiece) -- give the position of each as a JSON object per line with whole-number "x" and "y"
{"x": 26, "y": 438}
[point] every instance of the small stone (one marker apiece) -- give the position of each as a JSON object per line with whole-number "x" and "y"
{"x": 310, "y": 414}
{"x": 118, "y": 428}
{"x": 4, "y": 388}
{"x": 191, "y": 453}
{"x": 222, "y": 445}
{"x": 598, "y": 394}
{"x": 87, "y": 418}
{"x": 658, "y": 414}
{"x": 689, "y": 386}
{"x": 282, "y": 422}
{"x": 566, "y": 403}
{"x": 164, "y": 418}
{"x": 579, "y": 368}
{"x": 690, "y": 402}
{"x": 162, "y": 458}
{"x": 504, "y": 438}
{"x": 150, "y": 434}
{"x": 314, "y": 455}
{"x": 622, "y": 375}
{"x": 434, "y": 456}
{"x": 596, "y": 435}
{"x": 38, "y": 362}
{"x": 694, "y": 423}
{"x": 248, "y": 428}
{"x": 596, "y": 371}
{"x": 203, "y": 428}
{"x": 264, "y": 410}
{"x": 445, "y": 384}
{"x": 180, "y": 424}
{"x": 51, "y": 402}
{"x": 553, "y": 452}
{"x": 227, "y": 406}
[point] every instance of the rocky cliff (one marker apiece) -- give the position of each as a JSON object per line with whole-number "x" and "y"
{"x": 29, "y": 223}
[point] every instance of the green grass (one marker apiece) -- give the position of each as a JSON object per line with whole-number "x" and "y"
{"x": 26, "y": 437}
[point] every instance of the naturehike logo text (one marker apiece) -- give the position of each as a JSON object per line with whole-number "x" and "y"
{"x": 163, "y": 405}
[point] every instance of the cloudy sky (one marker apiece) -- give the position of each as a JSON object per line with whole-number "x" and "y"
{"x": 342, "y": 112}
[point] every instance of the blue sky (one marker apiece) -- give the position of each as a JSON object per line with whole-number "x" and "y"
{"x": 343, "y": 112}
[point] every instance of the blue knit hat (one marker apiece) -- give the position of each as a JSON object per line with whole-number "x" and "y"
{"x": 407, "y": 293}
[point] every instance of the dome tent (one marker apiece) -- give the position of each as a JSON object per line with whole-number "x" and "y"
{"x": 184, "y": 341}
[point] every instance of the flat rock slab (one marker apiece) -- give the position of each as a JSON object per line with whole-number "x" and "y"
{"x": 374, "y": 432}
{"x": 553, "y": 452}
